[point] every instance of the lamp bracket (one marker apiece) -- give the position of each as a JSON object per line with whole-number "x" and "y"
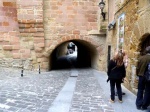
{"x": 103, "y": 15}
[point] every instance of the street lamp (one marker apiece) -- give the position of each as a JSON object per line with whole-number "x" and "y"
{"x": 101, "y": 6}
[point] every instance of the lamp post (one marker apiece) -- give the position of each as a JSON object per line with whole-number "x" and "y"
{"x": 101, "y": 6}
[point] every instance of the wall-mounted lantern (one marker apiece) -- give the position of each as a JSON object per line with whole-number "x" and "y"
{"x": 111, "y": 25}
{"x": 101, "y": 6}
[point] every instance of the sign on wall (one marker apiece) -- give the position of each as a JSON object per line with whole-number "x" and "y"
{"x": 120, "y": 40}
{"x": 120, "y": 31}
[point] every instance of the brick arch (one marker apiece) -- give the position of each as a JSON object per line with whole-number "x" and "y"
{"x": 95, "y": 46}
{"x": 56, "y": 43}
{"x": 144, "y": 42}
{"x": 141, "y": 27}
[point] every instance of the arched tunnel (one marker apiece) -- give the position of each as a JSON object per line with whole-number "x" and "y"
{"x": 84, "y": 56}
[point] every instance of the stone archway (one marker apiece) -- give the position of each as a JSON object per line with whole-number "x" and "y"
{"x": 142, "y": 29}
{"x": 142, "y": 25}
{"x": 93, "y": 44}
{"x": 144, "y": 42}
{"x": 138, "y": 39}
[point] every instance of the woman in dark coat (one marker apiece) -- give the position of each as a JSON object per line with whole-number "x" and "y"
{"x": 116, "y": 73}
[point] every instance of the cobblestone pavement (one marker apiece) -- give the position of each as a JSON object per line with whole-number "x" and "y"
{"x": 8, "y": 73}
{"x": 35, "y": 92}
{"x": 31, "y": 93}
{"x": 88, "y": 94}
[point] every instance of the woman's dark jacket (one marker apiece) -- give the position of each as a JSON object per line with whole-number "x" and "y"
{"x": 116, "y": 72}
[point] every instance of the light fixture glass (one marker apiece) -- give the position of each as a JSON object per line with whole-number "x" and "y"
{"x": 101, "y": 5}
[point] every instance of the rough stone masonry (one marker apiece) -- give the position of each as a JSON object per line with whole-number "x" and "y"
{"x": 31, "y": 30}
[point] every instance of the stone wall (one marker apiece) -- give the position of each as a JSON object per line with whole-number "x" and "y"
{"x": 68, "y": 20}
{"x": 136, "y": 24}
{"x": 130, "y": 9}
{"x": 22, "y": 33}
{"x": 31, "y": 30}
{"x": 9, "y": 35}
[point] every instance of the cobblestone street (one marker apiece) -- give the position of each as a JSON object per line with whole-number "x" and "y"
{"x": 36, "y": 92}
{"x": 88, "y": 94}
{"x": 32, "y": 93}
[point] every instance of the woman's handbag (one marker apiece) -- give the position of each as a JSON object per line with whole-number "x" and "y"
{"x": 111, "y": 70}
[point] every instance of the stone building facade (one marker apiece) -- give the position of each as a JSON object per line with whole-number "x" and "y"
{"x": 136, "y": 23}
{"x": 32, "y": 30}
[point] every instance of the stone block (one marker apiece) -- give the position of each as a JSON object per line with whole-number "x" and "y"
{"x": 8, "y": 54}
{"x": 28, "y": 51}
{"x": 30, "y": 11}
{"x": 38, "y": 49}
{"x": 1, "y": 3}
{"x": 32, "y": 30}
{"x": 40, "y": 45}
{"x": 7, "y": 47}
{"x": 16, "y": 56}
{"x": 39, "y": 25}
{"x": 39, "y": 21}
{"x": 31, "y": 21}
{"x": 38, "y": 40}
{"x": 16, "y": 47}
{"x": 1, "y": 39}
{"x": 141, "y": 25}
{"x": 39, "y": 60}
{"x": 13, "y": 33}
{"x": 136, "y": 30}
{"x": 76, "y": 32}
{"x": 46, "y": 54}
{"x": 2, "y": 55}
{"x": 33, "y": 55}
{"x": 9, "y": 4}
{"x": 39, "y": 55}
{"x": 40, "y": 29}
{"x": 39, "y": 35}
{"x": 8, "y": 38}
{"x": 26, "y": 55}
{"x": 5, "y": 23}
{"x": 45, "y": 65}
{"x": 44, "y": 59}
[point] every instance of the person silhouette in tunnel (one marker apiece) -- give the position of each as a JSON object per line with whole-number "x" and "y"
{"x": 71, "y": 48}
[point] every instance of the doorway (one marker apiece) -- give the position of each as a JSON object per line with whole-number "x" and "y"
{"x": 144, "y": 42}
